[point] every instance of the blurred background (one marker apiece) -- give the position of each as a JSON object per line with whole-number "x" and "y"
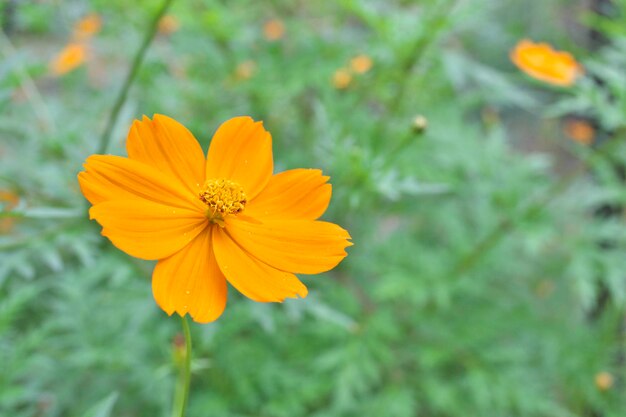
{"x": 487, "y": 277}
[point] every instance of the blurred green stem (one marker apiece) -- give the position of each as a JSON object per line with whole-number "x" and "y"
{"x": 182, "y": 390}
{"x": 532, "y": 208}
{"x": 434, "y": 24}
{"x": 27, "y": 84}
{"x": 105, "y": 139}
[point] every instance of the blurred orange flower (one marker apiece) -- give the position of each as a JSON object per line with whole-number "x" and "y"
{"x": 273, "y": 30}
{"x": 168, "y": 24}
{"x": 604, "y": 381}
{"x": 361, "y": 64}
{"x": 342, "y": 78}
{"x": 542, "y": 62}
{"x": 245, "y": 70}
{"x": 70, "y": 58}
{"x": 8, "y": 201}
{"x": 580, "y": 131}
{"x": 87, "y": 27}
{"x": 210, "y": 220}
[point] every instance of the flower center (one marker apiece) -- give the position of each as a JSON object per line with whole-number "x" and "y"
{"x": 223, "y": 197}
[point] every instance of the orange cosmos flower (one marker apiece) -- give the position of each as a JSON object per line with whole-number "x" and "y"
{"x": 245, "y": 70}
{"x": 168, "y": 24}
{"x": 87, "y": 27}
{"x": 70, "y": 58}
{"x": 361, "y": 64}
{"x": 342, "y": 79}
{"x": 604, "y": 381}
{"x": 542, "y": 62}
{"x": 209, "y": 220}
{"x": 273, "y": 30}
{"x": 580, "y": 131}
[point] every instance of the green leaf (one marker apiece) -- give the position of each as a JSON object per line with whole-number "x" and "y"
{"x": 104, "y": 407}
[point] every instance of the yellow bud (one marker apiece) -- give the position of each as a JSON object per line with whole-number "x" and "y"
{"x": 419, "y": 124}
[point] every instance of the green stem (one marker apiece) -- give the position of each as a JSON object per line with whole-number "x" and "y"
{"x": 533, "y": 208}
{"x": 105, "y": 139}
{"x": 434, "y": 25}
{"x": 182, "y": 391}
{"x": 28, "y": 85}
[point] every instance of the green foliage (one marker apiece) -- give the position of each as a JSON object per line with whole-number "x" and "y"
{"x": 482, "y": 281}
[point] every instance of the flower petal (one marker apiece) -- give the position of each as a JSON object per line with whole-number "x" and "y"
{"x": 293, "y": 194}
{"x": 108, "y": 177}
{"x": 300, "y": 246}
{"x": 168, "y": 146}
{"x": 253, "y": 278}
{"x": 191, "y": 282}
{"x": 241, "y": 151}
{"x": 146, "y": 229}
{"x": 541, "y": 61}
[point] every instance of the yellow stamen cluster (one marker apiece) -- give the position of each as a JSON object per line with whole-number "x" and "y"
{"x": 223, "y": 197}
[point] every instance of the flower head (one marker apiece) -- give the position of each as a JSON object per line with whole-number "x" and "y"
{"x": 70, "y": 58}
{"x": 245, "y": 70}
{"x": 580, "y": 131}
{"x": 342, "y": 78}
{"x": 87, "y": 27}
{"x": 210, "y": 220}
{"x": 360, "y": 64}
{"x": 542, "y": 62}
{"x": 604, "y": 381}
{"x": 273, "y": 30}
{"x": 168, "y": 24}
